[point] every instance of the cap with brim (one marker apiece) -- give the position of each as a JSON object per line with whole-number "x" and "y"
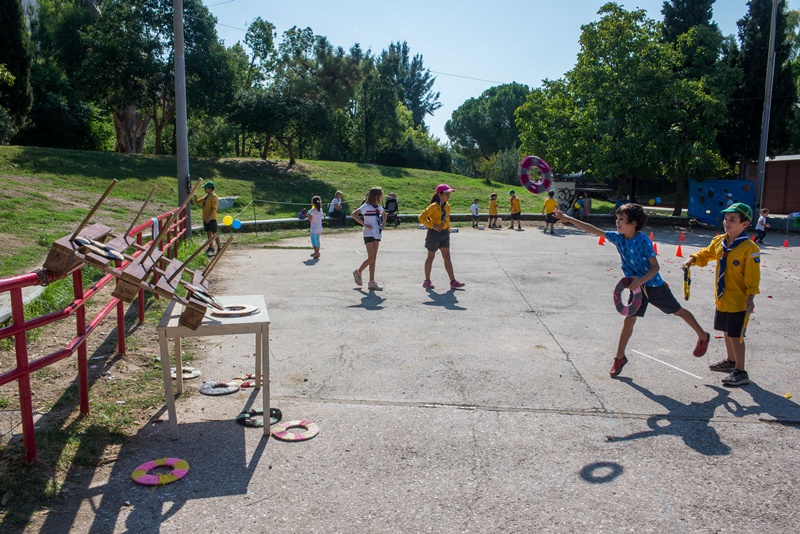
{"x": 511, "y": 192}
{"x": 209, "y": 184}
{"x": 444, "y": 188}
{"x": 742, "y": 209}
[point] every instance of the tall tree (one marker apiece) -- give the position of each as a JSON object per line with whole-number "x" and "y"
{"x": 414, "y": 82}
{"x": 15, "y": 54}
{"x": 740, "y": 138}
{"x": 704, "y": 84}
{"x": 486, "y": 125}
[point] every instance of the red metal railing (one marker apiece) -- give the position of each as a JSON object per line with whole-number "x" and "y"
{"x": 19, "y": 326}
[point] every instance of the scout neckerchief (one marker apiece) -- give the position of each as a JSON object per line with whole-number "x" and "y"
{"x": 723, "y": 261}
{"x": 444, "y": 215}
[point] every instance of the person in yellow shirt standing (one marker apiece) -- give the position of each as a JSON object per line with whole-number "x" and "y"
{"x": 516, "y": 210}
{"x": 493, "y": 211}
{"x": 436, "y": 217}
{"x": 737, "y": 280}
{"x": 550, "y": 205}
{"x": 210, "y": 204}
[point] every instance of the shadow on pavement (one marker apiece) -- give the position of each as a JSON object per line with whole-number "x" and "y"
{"x": 369, "y": 301}
{"x": 447, "y": 300}
{"x": 689, "y": 422}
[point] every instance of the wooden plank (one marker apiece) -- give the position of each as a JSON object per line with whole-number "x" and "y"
{"x": 61, "y": 258}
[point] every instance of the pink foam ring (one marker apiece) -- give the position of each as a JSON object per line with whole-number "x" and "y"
{"x": 148, "y": 466}
{"x": 525, "y": 166}
{"x": 148, "y": 480}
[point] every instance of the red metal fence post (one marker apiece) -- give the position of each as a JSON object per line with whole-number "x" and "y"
{"x": 80, "y": 320}
{"x": 25, "y": 403}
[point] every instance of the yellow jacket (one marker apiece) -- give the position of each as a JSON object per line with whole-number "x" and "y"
{"x": 742, "y": 273}
{"x": 515, "y": 207}
{"x": 433, "y": 215}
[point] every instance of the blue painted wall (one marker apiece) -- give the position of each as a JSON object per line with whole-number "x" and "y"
{"x": 707, "y": 199}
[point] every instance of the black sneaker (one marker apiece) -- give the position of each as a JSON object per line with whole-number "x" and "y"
{"x": 736, "y": 378}
{"x": 723, "y": 366}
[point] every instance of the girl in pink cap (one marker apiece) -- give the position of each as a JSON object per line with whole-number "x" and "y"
{"x": 436, "y": 218}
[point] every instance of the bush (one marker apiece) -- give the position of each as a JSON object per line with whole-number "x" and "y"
{"x": 501, "y": 167}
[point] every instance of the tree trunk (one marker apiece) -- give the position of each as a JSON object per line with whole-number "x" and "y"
{"x": 287, "y": 142}
{"x": 265, "y": 150}
{"x": 130, "y": 128}
{"x": 680, "y": 185}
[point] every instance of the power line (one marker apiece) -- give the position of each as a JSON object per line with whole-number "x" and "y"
{"x": 465, "y": 77}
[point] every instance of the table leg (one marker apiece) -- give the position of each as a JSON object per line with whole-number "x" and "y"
{"x": 173, "y": 416}
{"x": 259, "y": 335}
{"x": 178, "y": 366}
{"x": 264, "y": 349}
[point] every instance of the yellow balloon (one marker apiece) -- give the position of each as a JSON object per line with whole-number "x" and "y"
{"x": 227, "y": 220}
{"x": 577, "y": 206}
{"x": 651, "y": 201}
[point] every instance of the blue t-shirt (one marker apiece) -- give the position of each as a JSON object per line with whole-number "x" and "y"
{"x": 635, "y": 254}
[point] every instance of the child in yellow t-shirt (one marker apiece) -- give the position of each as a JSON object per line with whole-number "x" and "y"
{"x": 493, "y": 211}
{"x": 550, "y": 205}
{"x": 515, "y": 209}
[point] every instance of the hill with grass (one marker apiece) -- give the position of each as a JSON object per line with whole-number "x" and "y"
{"x": 45, "y": 193}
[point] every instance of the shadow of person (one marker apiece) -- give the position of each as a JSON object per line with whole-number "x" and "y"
{"x": 447, "y": 300}
{"x": 311, "y": 261}
{"x": 369, "y": 301}
{"x": 780, "y": 409}
{"x": 689, "y": 422}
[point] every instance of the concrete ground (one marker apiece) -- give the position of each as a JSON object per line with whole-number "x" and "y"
{"x": 483, "y": 409}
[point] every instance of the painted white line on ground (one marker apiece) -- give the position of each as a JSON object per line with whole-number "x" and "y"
{"x": 668, "y": 364}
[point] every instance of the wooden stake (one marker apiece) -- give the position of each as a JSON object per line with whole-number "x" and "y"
{"x": 213, "y": 263}
{"x": 200, "y": 249}
{"x": 94, "y": 209}
{"x": 146, "y": 202}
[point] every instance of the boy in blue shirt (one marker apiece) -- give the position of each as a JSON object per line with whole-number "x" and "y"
{"x": 639, "y": 261}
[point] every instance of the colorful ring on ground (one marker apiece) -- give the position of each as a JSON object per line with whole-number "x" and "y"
{"x": 255, "y": 417}
{"x": 634, "y": 302}
{"x": 281, "y": 430}
{"x": 141, "y": 475}
{"x": 186, "y": 372}
{"x": 218, "y": 388}
{"x": 525, "y": 178}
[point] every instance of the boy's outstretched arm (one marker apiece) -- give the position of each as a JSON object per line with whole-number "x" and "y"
{"x": 586, "y": 227}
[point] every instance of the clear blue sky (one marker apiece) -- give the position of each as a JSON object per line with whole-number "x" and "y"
{"x": 468, "y": 45}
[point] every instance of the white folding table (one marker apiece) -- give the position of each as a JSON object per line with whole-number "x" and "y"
{"x": 258, "y": 324}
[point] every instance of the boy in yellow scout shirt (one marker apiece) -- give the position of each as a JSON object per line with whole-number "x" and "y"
{"x": 516, "y": 210}
{"x": 210, "y": 204}
{"x": 549, "y": 207}
{"x": 737, "y": 279}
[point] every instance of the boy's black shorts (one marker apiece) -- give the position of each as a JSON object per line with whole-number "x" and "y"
{"x": 661, "y": 297}
{"x": 515, "y": 216}
{"x": 550, "y": 218}
{"x": 729, "y": 322}
{"x": 210, "y": 226}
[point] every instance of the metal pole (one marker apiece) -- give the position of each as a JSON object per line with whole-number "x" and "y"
{"x": 182, "y": 136}
{"x": 762, "y": 149}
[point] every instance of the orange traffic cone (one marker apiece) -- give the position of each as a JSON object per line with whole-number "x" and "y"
{"x": 655, "y": 248}
{"x": 679, "y": 253}
{"x": 786, "y": 243}
{"x": 682, "y": 238}
{"x": 652, "y": 237}
{"x": 753, "y": 237}
{"x": 602, "y": 241}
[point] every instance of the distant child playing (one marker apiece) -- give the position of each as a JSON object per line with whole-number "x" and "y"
{"x": 737, "y": 280}
{"x": 516, "y": 210}
{"x": 761, "y": 227}
{"x": 210, "y": 204}
{"x": 475, "y": 213}
{"x": 437, "y": 218}
{"x": 550, "y": 205}
{"x": 315, "y": 218}
{"x": 493, "y": 211}
{"x": 639, "y": 261}
{"x": 372, "y": 218}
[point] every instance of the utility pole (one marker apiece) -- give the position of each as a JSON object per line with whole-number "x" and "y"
{"x": 762, "y": 149}
{"x": 181, "y": 130}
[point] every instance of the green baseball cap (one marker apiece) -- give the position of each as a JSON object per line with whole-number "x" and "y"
{"x": 511, "y": 192}
{"x": 209, "y": 184}
{"x": 742, "y": 209}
